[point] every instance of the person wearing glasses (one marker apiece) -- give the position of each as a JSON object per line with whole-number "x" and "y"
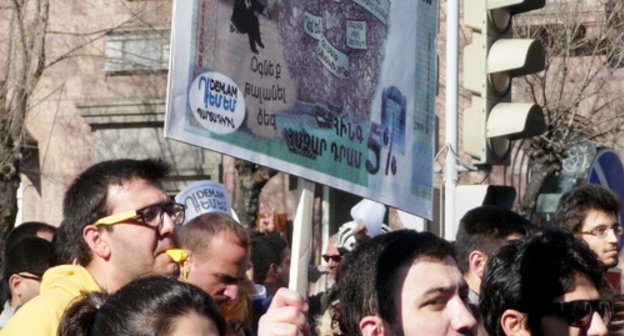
{"x": 26, "y": 261}
{"x": 332, "y": 256}
{"x": 548, "y": 284}
{"x": 591, "y": 213}
{"x": 119, "y": 222}
{"x": 319, "y": 315}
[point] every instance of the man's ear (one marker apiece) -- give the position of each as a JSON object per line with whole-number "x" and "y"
{"x": 476, "y": 262}
{"x": 513, "y": 323}
{"x": 273, "y": 271}
{"x": 97, "y": 240}
{"x": 14, "y": 283}
{"x": 372, "y": 326}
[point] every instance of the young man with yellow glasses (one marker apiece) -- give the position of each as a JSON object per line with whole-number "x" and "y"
{"x": 118, "y": 225}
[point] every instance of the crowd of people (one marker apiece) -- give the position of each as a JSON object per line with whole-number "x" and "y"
{"x": 129, "y": 260}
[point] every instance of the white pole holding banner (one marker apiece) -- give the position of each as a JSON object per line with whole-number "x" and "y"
{"x": 325, "y": 219}
{"x": 302, "y": 237}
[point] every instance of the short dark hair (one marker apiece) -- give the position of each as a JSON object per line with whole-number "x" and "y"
{"x": 575, "y": 203}
{"x": 147, "y": 306}
{"x": 485, "y": 229}
{"x": 266, "y": 250}
{"x": 86, "y": 199}
{"x": 197, "y": 234}
{"x": 369, "y": 277}
{"x": 528, "y": 275}
{"x": 28, "y": 255}
{"x": 32, "y": 255}
{"x": 26, "y": 230}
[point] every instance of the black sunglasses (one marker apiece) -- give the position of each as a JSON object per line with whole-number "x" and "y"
{"x": 335, "y": 258}
{"x": 30, "y": 276}
{"x": 579, "y": 313}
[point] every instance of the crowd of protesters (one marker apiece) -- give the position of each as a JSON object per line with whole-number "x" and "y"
{"x": 129, "y": 260}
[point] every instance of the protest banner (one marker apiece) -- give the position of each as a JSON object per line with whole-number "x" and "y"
{"x": 340, "y": 92}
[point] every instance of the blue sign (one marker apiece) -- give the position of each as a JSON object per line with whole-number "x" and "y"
{"x": 607, "y": 171}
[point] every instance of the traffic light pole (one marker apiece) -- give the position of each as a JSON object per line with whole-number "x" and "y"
{"x": 452, "y": 94}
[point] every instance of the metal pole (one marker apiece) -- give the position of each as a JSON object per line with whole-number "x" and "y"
{"x": 450, "y": 168}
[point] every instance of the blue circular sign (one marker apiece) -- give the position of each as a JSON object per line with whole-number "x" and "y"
{"x": 607, "y": 171}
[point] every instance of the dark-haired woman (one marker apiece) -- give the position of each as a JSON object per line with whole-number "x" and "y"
{"x": 154, "y": 306}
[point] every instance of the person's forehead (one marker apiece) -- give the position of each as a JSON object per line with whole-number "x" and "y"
{"x": 134, "y": 194}
{"x": 583, "y": 289}
{"x": 331, "y": 249}
{"x": 191, "y": 323}
{"x": 427, "y": 274}
{"x": 596, "y": 217}
{"x": 514, "y": 236}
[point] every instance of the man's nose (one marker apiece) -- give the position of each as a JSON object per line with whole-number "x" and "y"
{"x": 168, "y": 227}
{"x": 463, "y": 320}
{"x": 598, "y": 326}
{"x": 231, "y": 291}
{"x": 612, "y": 236}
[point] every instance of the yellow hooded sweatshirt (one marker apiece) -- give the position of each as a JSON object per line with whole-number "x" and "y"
{"x": 41, "y": 316}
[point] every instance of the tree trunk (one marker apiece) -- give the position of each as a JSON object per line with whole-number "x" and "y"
{"x": 541, "y": 170}
{"x": 252, "y": 178}
{"x": 9, "y": 183}
{"x": 24, "y": 64}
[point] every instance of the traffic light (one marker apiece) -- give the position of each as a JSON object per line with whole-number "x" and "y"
{"x": 490, "y": 62}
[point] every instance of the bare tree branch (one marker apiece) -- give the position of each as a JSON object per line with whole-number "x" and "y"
{"x": 584, "y": 45}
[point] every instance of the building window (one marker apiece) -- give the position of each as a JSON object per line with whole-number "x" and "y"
{"x": 132, "y": 50}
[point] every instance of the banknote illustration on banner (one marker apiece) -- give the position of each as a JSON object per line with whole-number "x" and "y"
{"x": 341, "y": 92}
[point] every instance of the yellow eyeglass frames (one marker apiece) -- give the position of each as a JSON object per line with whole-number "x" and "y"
{"x": 151, "y": 215}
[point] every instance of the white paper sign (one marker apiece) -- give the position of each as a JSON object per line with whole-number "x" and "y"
{"x": 203, "y": 197}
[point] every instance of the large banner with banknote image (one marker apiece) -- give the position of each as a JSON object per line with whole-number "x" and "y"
{"x": 341, "y": 92}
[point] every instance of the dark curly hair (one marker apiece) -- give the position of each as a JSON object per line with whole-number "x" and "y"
{"x": 574, "y": 205}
